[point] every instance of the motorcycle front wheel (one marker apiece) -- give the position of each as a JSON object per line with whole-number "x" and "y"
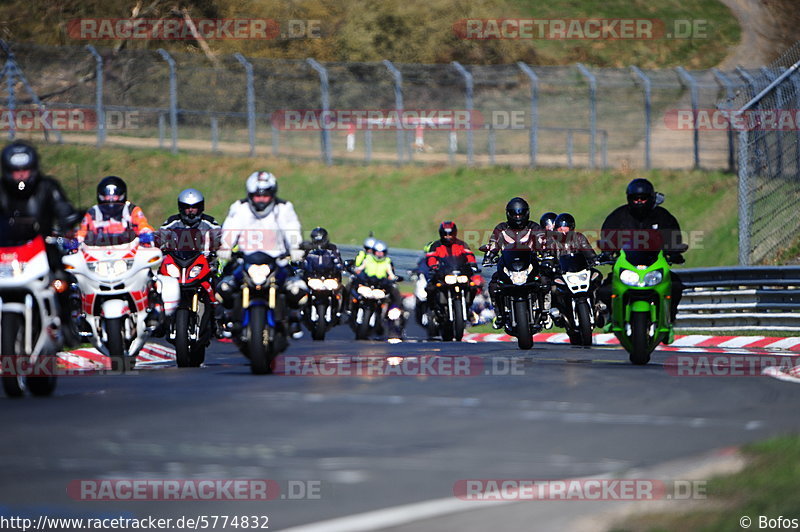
{"x": 523, "y": 325}
{"x": 640, "y": 352}
{"x": 258, "y": 344}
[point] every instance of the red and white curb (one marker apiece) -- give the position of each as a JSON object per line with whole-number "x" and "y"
{"x": 92, "y": 359}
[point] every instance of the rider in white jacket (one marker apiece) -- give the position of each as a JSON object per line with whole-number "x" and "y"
{"x": 262, "y": 221}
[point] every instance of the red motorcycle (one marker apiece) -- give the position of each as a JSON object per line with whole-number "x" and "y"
{"x": 191, "y": 327}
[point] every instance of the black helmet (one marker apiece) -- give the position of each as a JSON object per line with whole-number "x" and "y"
{"x": 319, "y": 237}
{"x": 191, "y": 199}
{"x": 112, "y": 192}
{"x": 517, "y": 213}
{"x": 641, "y": 196}
{"x": 18, "y": 156}
{"x": 565, "y": 219}
{"x": 448, "y": 231}
{"x": 548, "y": 218}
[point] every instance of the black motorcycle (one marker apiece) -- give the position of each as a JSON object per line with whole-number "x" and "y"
{"x": 324, "y": 279}
{"x": 450, "y": 294}
{"x": 576, "y": 286}
{"x": 261, "y": 329}
{"x": 369, "y": 309}
{"x": 523, "y": 294}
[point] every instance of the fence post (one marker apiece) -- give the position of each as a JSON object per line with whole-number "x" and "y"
{"x": 324, "y": 89}
{"x": 469, "y": 86}
{"x": 398, "y": 106}
{"x": 744, "y": 200}
{"x": 173, "y": 98}
{"x": 276, "y": 139}
{"x": 533, "y": 139}
{"x": 779, "y": 104}
{"x": 751, "y": 82}
{"x": 8, "y": 71}
{"x": 795, "y": 80}
{"x": 214, "y": 134}
{"x": 687, "y": 79}
{"x": 569, "y": 148}
{"x": 592, "y": 111}
{"x": 98, "y": 99}
{"x": 492, "y": 142}
{"x": 251, "y": 102}
{"x": 726, "y": 82}
{"x": 647, "y": 86}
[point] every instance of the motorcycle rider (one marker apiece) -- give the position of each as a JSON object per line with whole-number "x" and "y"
{"x": 548, "y": 221}
{"x": 449, "y": 245}
{"x": 378, "y": 265}
{"x": 650, "y": 227}
{"x": 517, "y": 232}
{"x": 191, "y": 229}
{"x": 369, "y": 244}
{"x": 32, "y": 203}
{"x": 114, "y": 219}
{"x": 194, "y": 230}
{"x": 319, "y": 241}
{"x": 568, "y": 240}
{"x": 263, "y": 222}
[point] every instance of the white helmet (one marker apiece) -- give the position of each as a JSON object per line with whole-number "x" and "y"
{"x": 380, "y": 246}
{"x": 261, "y": 184}
{"x": 369, "y": 243}
{"x": 191, "y": 198}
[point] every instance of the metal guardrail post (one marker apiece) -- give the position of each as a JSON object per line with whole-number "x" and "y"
{"x": 325, "y": 95}
{"x": 98, "y": 99}
{"x": 592, "y": 111}
{"x": 173, "y": 98}
{"x": 533, "y": 139}
{"x": 469, "y": 87}
{"x": 688, "y": 80}
{"x": 726, "y": 82}
{"x": 251, "y": 102}
{"x": 647, "y": 86}
{"x": 398, "y": 106}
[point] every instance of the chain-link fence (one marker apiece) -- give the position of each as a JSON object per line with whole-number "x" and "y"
{"x": 518, "y": 114}
{"x": 766, "y": 115}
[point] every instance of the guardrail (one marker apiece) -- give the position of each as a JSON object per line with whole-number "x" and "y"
{"x": 739, "y": 297}
{"x": 725, "y": 298}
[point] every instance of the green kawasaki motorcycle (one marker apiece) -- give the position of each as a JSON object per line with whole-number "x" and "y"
{"x": 640, "y": 302}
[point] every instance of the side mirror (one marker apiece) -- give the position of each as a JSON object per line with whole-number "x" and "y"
{"x": 484, "y": 248}
{"x": 660, "y": 198}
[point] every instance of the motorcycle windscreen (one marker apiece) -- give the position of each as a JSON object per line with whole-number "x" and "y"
{"x": 184, "y": 258}
{"x": 450, "y": 263}
{"x": 573, "y": 262}
{"x": 101, "y": 238}
{"x": 518, "y": 260}
{"x": 641, "y": 258}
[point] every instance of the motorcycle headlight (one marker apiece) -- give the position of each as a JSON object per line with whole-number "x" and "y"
{"x": 519, "y": 278}
{"x": 121, "y": 266}
{"x": 463, "y": 279}
{"x": 365, "y": 291}
{"x": 316, "y": 284}
{"x": 577, "y": 278}
{"x": 377, "y": 293}
{"x": 331, "y": 284}
{"x": 258, "y": 273}
{"x": 195, "y": 271}
{"x": 173, "y": 271}
{"x": 394, "y": 313}
{"x": 450, "y": 279}
{"x": 653, "y": 278}
{"x": 629, "y": 277}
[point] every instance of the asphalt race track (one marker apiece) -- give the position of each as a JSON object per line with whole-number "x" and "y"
{"x": 350, "y": 439}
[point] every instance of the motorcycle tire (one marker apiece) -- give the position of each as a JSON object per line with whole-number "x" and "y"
{"x": 183, "y": 347}
{"x": 13, "y": 385}
{"x": 44, "y": 385}
{"x": 115, "y": 345}
{"x": 640, "y": 353}
{"x": 523, "y": 326}
{"x": 363, "y": 328}
{"x": 261, "y": 355}
{"x": 458, "y": 326}
{"x": 320, "y": 327}
{"x": 585, "y": 324}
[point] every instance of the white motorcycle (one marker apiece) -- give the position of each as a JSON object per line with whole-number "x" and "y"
{"x": 116, "y": 283}
{"x": 30, "y": 334}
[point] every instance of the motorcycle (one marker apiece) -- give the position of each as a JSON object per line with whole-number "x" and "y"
{"x": 576, "y": 284}
{"x": 641, "y": 302}
{"x": 324, "y": 280}
{"x": 370, "y": 308}
{"x": 30, "y": 328}
{"x": 191, "y": 327}
{"x": 523, "y": 294}
{"x": 261, "y": 328}
{"x": 450, "y": 298}
{"x": 116, "y": 283}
